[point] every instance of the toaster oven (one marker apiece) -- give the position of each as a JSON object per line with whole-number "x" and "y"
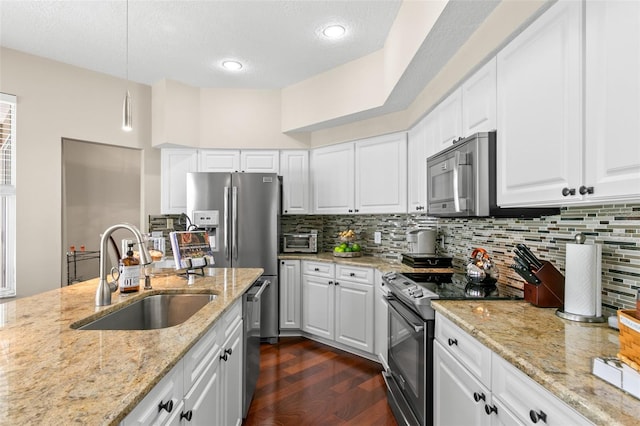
{"x": 300, "y": 243}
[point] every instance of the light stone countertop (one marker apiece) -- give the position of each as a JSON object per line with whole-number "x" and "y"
{"x": 51, "y": 374}
{"x": 383, "y": 265}
{"x": 554, "y": 352}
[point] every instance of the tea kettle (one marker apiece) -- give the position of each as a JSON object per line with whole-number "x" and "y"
{"x": 481, "y": 269}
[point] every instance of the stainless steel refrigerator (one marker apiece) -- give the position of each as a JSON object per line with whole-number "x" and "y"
{"x": 241, "y": 213}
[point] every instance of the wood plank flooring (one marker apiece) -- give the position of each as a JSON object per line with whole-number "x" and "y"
{"x": 303, "y": 382}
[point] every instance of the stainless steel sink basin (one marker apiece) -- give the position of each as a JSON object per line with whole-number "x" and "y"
{"x": 151, "y": 312}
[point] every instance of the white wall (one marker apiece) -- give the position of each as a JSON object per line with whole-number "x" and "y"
{"x": 55, "y": 101}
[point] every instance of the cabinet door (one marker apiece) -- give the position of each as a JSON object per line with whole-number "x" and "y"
{"x": 294, "y": 168}
{"x": 458, "y": 397}
{"x": 612, "y": 150}
{"x": 222, "y": 161}
{"x": 381, "y": 174}
{"x": 175, "y": 164}
{"x": 257, "y": 161}
{"x": 168, "y": 393}
{"x": 539, "y": 138}
{"x": 381, "y": 321}
{"x": 354, "y": 314}
{"x": 449, "y": 120}
{"x": 417, "y": 168}
{"x": 203, "y": 403}
{"x": 318, "y": 306}
{"x": 332, "y": 179}
{"x": 290, "y": 302}
{"x": 232, "y": 378}
{"x": 479, "y": 101}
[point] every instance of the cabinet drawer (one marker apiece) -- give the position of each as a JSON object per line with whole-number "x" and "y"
{"x": 527, "y": 399}
{"x": 229, "y": 320}
{"x": 354, "y": 273}
{"x": 200, "y": 355}
{"x": 318, "y": 269}
{"x": 472, "y": 354}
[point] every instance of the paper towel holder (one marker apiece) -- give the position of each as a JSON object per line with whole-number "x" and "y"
{"x": 580, "y": 239}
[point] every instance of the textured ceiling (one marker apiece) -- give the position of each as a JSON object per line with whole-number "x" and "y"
{"x": 278, "y": 41}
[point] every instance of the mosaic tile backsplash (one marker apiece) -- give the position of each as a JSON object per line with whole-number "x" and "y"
{"x": 616, "y": 227}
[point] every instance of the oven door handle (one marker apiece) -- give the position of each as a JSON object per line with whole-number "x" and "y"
{"x": 398, "y": 308}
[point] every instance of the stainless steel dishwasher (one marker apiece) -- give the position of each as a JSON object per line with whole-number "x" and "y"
{"x": 252, "y": 302}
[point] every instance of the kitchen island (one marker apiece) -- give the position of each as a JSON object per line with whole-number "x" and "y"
{"x": 51, "y": 374}
{"x": 555, "y": 353}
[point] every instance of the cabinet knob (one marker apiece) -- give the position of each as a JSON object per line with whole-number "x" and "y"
{"x": 186, "y": 415}
{"x": 536, "y": 416}
{"x": 585, "y": 190}
{"x": 224, "y": 357}
{"x": 490, "y": 409}
{"x": 350, "y": 211}
{"x": 286, "y": 211}
{"x": 357, "y": 210}
{"x": 352, "y": 274}
{"x": 316, "y": 269}
{"x": 477, "y": 397}
{"x": 330, "y": 282}
{"x": 337, "y": 283}
{"x": 566, "y": 192}
{"x": 229, "y": 351}
{"x": 452, "y": 342}
{"x": 167, "y": 406}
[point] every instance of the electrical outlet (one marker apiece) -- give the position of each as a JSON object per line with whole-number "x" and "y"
{"x": 377, "y": 237}
{"x": 169, "y": 223}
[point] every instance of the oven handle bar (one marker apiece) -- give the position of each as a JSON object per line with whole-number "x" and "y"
{"x": 397, "y": 307}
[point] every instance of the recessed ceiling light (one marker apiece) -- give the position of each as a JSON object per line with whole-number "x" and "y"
{"x": 334, "y": 31}
{"x": 232, "y": 65}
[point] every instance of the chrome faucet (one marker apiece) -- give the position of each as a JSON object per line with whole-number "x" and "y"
{"x": 103, "y": 293}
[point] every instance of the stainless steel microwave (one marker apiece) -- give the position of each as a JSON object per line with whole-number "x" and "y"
{"x": 461, "y": 181}
{"x": 300, "y": 243}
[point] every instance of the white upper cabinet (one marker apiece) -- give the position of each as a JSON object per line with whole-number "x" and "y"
{"x": 175, "y": 164}
{"x": 257, "y": 161}
{"x": 448, "y": 117}
{"x": 479, "y": 100}
{"x": 381, "y": 174}
{"x": 612, "y": 138}
{"x": 294, "y": 169}
{"x": 417, "y": 168}
{"x": 332, "y": 179}
{"x": 539, "y": 127}
{"x": 222, "y": 161}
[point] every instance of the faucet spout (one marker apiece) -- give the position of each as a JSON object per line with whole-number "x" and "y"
{"x": 103, "y": 293}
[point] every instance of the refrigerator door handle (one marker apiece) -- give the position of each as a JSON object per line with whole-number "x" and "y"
{"x": 234, "y": 223}
{"x": 225, "y": 221}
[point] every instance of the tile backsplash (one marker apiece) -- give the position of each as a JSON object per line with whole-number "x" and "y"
{"x": 616, "y": 227}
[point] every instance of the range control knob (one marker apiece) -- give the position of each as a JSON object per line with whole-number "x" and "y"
{"x": 417, "y": 294}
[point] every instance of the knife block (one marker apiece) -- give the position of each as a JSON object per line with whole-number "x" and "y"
{"x": 550, "y": 292}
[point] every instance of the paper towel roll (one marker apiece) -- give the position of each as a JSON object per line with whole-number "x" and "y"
{"x": 583, "y": 275}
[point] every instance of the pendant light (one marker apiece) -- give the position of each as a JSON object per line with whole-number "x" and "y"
{"x": 127, "y": 114}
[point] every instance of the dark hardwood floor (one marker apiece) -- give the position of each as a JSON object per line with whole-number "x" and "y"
{"x": 303, "y": 382}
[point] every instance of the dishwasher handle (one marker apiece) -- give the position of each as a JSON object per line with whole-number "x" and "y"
{"x": 255, "y": 297}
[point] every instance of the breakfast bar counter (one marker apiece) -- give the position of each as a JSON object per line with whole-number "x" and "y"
{"x": 52, "y": 374}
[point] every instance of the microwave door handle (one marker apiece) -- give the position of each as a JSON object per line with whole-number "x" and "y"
{"x": 456, "y": 181}
{"x": 225, "y": 223}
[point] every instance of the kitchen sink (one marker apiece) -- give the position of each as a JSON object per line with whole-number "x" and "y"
{"x": 152, "y": 312}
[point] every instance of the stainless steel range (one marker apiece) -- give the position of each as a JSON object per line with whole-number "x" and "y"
{"x": 411, "y": 333}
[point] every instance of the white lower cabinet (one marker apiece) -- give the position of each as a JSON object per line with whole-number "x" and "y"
{"x": 205, "y": 386}
{"x": 474, "y": 386}
{"x": 338, "y": 303}
{"x": 289, "y": 280}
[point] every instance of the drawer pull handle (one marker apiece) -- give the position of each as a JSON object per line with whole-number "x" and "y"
{"x": 535, "y": 416}
{"x": 330, "y": 282}
{"x": 490, "y": 409}
{"x": 229, "y": 351}
{"x": 224, "y": 356}
{"x": 352, "y": 274}
{"x": 337, "y": 283}
{"x": 186, "y": 415}
{"x": 452, "y": 342}
{"x": 479, "y": 397}
{"x": 168, "y": 406}
{"x": 585, "y": 190}
{"x": 316, "y": 269}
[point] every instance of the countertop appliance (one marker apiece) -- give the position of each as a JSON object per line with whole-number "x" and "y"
{"x": 241, "y": 213}
{"x": 300, "y": 243}
{"x": 411, "y": 320}
{"x": 252, "y": 306}
{"x": 422, "y": 241}
{"x": 461, "y": 181}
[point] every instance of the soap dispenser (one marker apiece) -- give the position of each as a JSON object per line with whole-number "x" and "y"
{"x": 129, "y": 280}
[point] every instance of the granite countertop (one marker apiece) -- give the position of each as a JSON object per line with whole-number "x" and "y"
{"x": 383, "y": 265}
{"x": 554, "y": 352}
{"x": 51, "y": 374}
